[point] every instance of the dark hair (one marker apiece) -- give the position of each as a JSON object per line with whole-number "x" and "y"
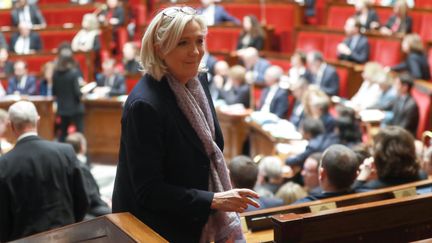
{"x": 65, "y": 59}
{"x": 302, "y": 56}
{"x": 407, "y": 80}
{"x": 313, "y": 126}
{"x": 394, "y": 154}
{"x": 362, "y": 151}
{"x": 256, "y": 29}
{"x": 341, "y": 165}
{"x": 347, "y": 124}
{"x": 243, "y": 172}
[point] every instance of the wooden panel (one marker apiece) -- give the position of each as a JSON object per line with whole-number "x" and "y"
{"x": 112, "y": 228}
{"x": 234, "y": 130}
{"x": 102, "y": 129}
{"x": 44, "y": 106}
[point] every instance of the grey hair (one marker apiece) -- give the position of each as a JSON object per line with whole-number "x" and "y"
{"x": 162, "y": 36}
{"x": 23, "y": 113}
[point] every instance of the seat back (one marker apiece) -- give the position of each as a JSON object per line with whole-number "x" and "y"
{"x": 222, "y": 38}
{"x": 423, "y": 100}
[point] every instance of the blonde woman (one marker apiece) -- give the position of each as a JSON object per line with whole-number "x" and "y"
{"x": 171, "y": 172}
{"x": 399, "y": 21}
{"x": 87, "y": 39}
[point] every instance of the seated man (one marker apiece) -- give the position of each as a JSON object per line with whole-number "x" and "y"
{"x": 274, "y": 99}
{"x": 25, "y": 41}
{"x": 255, "y": 65}
{"x": 21, "y": 82}
{"x": 97, "y": 206}
{"x": 337, "y": 172}
{"x": 24, "y": 12}
{"x": 322, "y": 74}
{"x": 109, "y": 82}
{"x": 309, "y": 172}
{"x": 243, "y": 174}
{"x": 41, "y": 185}
{"x": 298, "y": 89}
{"x": 355, "y": 47}
{"x": 405, "y": 109}
{"x": 215, "y": 14}
{"x": 313, "y": 131}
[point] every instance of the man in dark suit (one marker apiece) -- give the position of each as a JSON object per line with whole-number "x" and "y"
{"x": 274, "y": 99}
{"x": 298, "y": 88}
{"x": 322, "y": 74}
{"x": 27, "y": 13}
{"x": 405, "y": 109}
{"x": 337, "y": 172}
{"x": 215, "y": 14}
{"x": 21, "y": 82}
{"x": 41, "y": 185}
{"x": 110, "y": 82}
{"x": 25, "y": 41}
{"x": 255, "y": 65}
{"x": 313, "y": 130}
{"x": 355, "y": 47}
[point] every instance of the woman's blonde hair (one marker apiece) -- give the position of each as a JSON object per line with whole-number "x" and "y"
{"x": 90, "y": 21}
{"x": 162, "y": 36}
{"x": 291, "y": 192}
{"x": 414, "y": 43}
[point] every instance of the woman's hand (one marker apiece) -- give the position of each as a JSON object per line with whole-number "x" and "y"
{"x": 367, "y": 168}
{"x": 235, "y": 200}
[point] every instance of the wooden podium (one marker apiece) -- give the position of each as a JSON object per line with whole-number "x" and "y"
{"x": 120, "y": 227}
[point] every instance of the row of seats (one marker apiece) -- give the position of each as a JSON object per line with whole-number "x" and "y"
{"x": 36, "y": 61}
{"x": 385, "y": 50}
{"x": 55, "y": 14}
{"x": 338, "y": 13}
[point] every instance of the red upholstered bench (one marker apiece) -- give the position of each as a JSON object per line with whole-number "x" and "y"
{"x": 423, "y": 96}
{"x": 222, "y": 38}
{"x": 385, "y": 51}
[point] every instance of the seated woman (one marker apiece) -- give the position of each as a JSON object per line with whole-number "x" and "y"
{"x": 316, "y": 105}
{"x": 298, "y": 65}
{"x": 394, "y": 161}
{"x": 252, "y": 34}
{"x": 415, "y": 63}
{"x": 369, "y": 92}
{"x": 87, "y": 39}
{"x": 366, "y": 15}
{"x": 399, "y": 22}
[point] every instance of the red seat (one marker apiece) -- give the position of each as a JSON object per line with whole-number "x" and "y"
{"x": 330, "y": 46}
{"x": 310, "y": 41}
{"x": 337, "y": 15}
{"x": 343, "y": 81}
{"x": 423, "y": 4}
{"x": 430, "y": 60}
{"x": 67, "y": 14}
{"x": 5, "y": 17}
{"x": 424, "y": 104}
{"x": 285, "y": 64}
{"x": 239, "y": 10}
{"x": 426, "y": 28}
{"x": 222, "y": 38}
{"x": 385, "y": 51}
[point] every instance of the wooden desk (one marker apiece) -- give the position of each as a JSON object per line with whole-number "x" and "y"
{"x": 44, "y": 106}
{"x": 102, "y": 129}
{"x": 234, "y": 130}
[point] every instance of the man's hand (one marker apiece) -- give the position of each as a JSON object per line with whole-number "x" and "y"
{"x": 235, "y": 200}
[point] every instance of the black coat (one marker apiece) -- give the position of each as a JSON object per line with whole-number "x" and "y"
{"x": 406, "y": 115}
{"x": 67, "y": 92}
{"x": 41, "y": 188}
{"x": 416, "y": 64}
{"x": 405, "y": 27}
{"x": 35, "y": 15}
{"x": 163, "y": 171}
{"x": 256, "y": 42}
{"x": 360, "y": 53}
{"x": 34, "y": 41}
{"x": 279, "y": 104}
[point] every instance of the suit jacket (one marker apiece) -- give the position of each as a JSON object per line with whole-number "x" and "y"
{"x": 41, "y": 188}
{"x": 372, "y": 16}
{"x": 3, "y": 43}
{"x": 416, "y": 64}
{"x": 404, "y": 27}
{"x": 329, "y": 82}
{"x": 256, "y": 42}
{"x": 363, "y": 186}
{"x": 259, "y": 70}
{"x": 221, "y": 15}
{"x": 163, "y": 171}
{"x": 237, "y": 95}
{"x": 35, "y": 15}
{"x": 297, "y": 114}
{"x": 320, "y": 195}
{"x": 35, "y": 41}
{"x": 29, "y": 88}
{"x": 118, "y": 86}
{"x": 279, "y": 104}
{"x": 406, "y": 114}
{"x": 317, "y": 144}
{"x": 360, "y": 53}
{"x": 67, "y": 92}
{"x": 117, "y": 12}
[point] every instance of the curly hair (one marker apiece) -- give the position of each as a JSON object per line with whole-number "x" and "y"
{"x": 394, "y": 154}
